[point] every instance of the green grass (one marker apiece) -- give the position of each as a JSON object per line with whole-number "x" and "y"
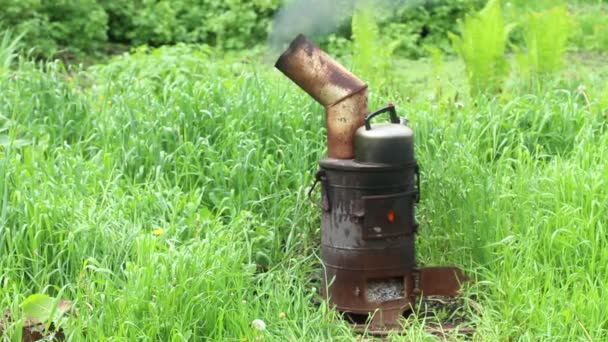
{"x": 219, "y": 152}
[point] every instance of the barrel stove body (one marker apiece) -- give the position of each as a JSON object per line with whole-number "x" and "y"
{"x": 370, "y": 185}
{"x": 368, "y": 234}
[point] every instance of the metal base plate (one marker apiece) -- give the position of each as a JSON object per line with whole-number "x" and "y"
{"x": 443, "y": 317}
{"x": 442, "y": 331}
{"x": 437, "y": 303}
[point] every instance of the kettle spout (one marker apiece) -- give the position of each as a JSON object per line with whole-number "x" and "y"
{"x": 343, "y": 95}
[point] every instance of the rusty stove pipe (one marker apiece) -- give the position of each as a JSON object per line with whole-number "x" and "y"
{"x": 343, "y": 95}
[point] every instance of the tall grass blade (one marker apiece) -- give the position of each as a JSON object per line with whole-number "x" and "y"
{"x": 8, "y": 49}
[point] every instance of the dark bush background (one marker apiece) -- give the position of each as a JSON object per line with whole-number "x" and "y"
{"x": 78, "y": 27}
{"x": 89, "y": 26}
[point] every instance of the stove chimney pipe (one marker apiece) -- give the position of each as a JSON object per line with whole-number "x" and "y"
{"x": 343, "y": 95}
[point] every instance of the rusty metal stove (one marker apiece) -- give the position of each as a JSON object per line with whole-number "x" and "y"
{"x": 370, "y": 185}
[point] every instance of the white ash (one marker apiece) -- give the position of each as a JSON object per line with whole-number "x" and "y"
{"x": 384, "y": 289}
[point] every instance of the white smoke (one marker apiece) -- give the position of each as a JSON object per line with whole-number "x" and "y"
{"x": 308, "y": 17}
{"x": 321, "y": 17}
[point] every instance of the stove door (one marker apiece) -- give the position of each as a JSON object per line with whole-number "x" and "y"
{"x": 388, "y": 216}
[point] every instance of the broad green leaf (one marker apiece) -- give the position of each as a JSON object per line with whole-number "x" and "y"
{"x": 39, "y": 307}
{"x": 5, "y": 141}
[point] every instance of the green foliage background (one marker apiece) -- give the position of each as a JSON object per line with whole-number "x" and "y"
{"x": 87, "y": 26}
{"x": 78, "y": 27}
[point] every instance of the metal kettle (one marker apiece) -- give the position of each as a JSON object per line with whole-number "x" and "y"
{"x": 385, "y": 143}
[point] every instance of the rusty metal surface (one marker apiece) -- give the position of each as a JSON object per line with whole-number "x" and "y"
{"x": 317, "y": 73}
{"x": 342, "y": 121}
{"x": 362, "y": 244}
{"x": 368, "y": 249}
{"x": 440, "y": 280}
{"x": 343, "y": 95}
{"x": 453, "y": 320}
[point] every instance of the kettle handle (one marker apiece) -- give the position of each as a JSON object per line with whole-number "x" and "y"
{"x": 390, "y": 108}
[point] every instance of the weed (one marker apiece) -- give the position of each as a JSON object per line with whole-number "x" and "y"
{"x": 482, "y": 45}
{"x": 591, "y": 27}
{"x": 546, "y": 35}
{"x": 371, "y": 52}
{"x": 437, "y": 60}
{"x": 8, "y": 49}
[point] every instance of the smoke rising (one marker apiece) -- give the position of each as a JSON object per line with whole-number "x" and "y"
{"x": 321, "y": 17}
{"x": 308, "y": 17}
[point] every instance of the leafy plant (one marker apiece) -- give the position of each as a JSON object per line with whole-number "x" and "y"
{"x": 536, "y": 5}
{"x": 420, "y": 23}
{"x": 482, "y": 45}
{"x": 546, "y": 35}
{"x": 591, "y": 27}
{"x": 231, "y": 24}
{"x": 371, "y": 52}
{"x": 42, "y": 308}
{"x": 85, "y": 26}
{"x": 8, "y": 49}
{"x": 437, "y": 61}
{"x": 72, "y": 26}
{"x": 76, "y": 27}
